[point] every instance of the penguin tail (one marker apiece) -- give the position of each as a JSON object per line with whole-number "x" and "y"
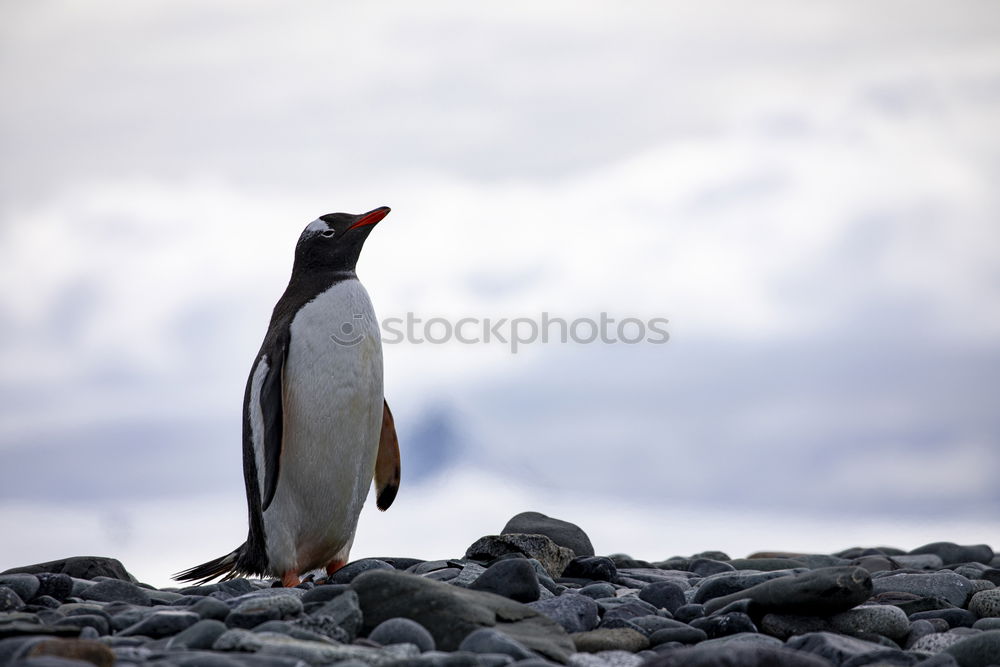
{"x": 226, "y": 567}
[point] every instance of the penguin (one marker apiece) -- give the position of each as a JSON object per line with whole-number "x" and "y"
{"x": 316, "y": 426}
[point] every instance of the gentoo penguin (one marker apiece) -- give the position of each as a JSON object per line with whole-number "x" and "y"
{"x": 316, "y": 426}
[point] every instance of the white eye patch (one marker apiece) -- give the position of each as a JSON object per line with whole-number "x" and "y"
{"x": 328, "y": 234}
{"x": 317, "y": 225}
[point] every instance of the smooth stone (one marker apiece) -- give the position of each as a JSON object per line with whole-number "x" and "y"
{"x": 986, "y": 604}
{"x": 164, "y": 597}
{"x": 324, "y": 593}
{"x": 513, "y": 578}
{"x": 920, "y": 561}
{"x": 25, "y": 585}
{"x": 952, "y": 587}
{"x": 450, "y": 613}
{"x": 99, "y": 623}
{"x": 210, "y": 608}
{"x": 563, "y": 533}
{"x": 553, "y": 557}
{"x": 83, "y": 650}
{"x": 706, "y": 566}
{"x": 736, "y": 654}
{"x": 402, "y": 631}
{"x": 949, "y": 552}
{"x": 610, "y": 639}
{"x": 784, "y": 626}
{"x": 200, "y": 635}
{"x": 689, "y": 612}
{"x": 663, "y": 595}
{"x": 834, "y": 647}
{"x": 721, "y": 585}
{"x": 487, "y": 640}
{"x": 881, "y": 619}
{"x": 602, "y": 659}
{"x": 817, "y": 592}
{"x": 954, "y": 617}
{"x": 575, "y": 613}
{"x": 346, "y": 574}
{"x": 251, "y": 619}
{"x": 875, "y": 563}
{"x": 987, "y": 624}
{"x": 625, "y": 608}
{"x": 9, "y": 600}
{"x": 724, "y": 624}
{"x": 117, "y": 590}
{"x": 978, "y": 650}
{"x": 684, "y": 635}
{"x": 162, "y": 624}
{"x": 80, "y": 567}
{"x": 595, "y": 568}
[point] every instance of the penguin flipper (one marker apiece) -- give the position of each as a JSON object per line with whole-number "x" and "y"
{"x": 387, "y": 468}
{"x": 272, "y": 410}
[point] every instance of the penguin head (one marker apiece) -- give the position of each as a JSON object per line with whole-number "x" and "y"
{"x": 333, "y": 241}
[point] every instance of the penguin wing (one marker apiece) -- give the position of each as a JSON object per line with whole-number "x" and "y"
{"x": 387, "y": 463}
{"x": 271, "y": 409}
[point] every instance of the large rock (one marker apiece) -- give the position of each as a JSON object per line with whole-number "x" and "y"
{"x": 563, "y": 533}
{"x": 451, "y": 613}
{"x": 827, "y": 590}
{"x": 513, "y": 578}
{"x": 81, "y": 567}
{"x": 553, "y": 557}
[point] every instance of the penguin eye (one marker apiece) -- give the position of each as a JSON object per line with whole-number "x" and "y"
{"x": 327, "y": 234}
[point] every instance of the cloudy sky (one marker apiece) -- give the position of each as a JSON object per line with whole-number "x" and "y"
{"x": 805, "y": 190}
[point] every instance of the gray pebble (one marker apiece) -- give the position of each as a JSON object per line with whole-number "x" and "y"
{"x": 116, "y": 590}
{"x": 488, "y": 640}
{"x": 402, "y": 631}
{"x": 162, "y": 624}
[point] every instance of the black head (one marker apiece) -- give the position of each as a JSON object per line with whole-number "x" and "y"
{"x": 333, "y": 241}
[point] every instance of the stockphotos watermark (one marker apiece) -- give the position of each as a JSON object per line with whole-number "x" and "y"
{"x": 514, "y": 332}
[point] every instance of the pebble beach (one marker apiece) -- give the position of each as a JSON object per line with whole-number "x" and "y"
{"x": 532, "y": 594}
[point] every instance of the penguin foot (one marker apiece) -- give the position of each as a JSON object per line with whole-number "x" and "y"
{"x": 334, "y": 565}
{"x": 290, "y": 579}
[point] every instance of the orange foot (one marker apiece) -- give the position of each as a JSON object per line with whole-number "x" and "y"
{"x": 334, "y": 565}
{"x": 290, "y": 579}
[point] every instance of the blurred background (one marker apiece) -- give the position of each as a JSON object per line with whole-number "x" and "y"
{"x": 806, "y": 190}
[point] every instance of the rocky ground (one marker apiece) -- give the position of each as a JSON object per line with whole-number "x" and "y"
{"x": 534, "y": 595}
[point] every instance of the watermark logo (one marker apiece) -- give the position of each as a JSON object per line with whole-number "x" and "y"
{"x": 514, "y": 332}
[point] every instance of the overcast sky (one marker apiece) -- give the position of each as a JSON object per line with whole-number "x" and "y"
{"x": 805, "y": 190}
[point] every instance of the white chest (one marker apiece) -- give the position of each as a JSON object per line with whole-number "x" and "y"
{"x": 332, "y": 410}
